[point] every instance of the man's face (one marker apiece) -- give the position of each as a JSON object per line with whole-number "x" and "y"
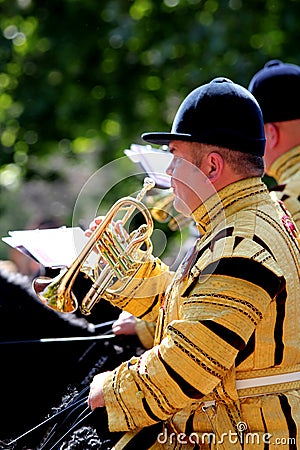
{"x": 187, "y": 169}
{"x": 269, "y": 156}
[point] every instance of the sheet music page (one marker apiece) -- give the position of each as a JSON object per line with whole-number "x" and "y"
{"x": 153, "y": 161}
{"x": 55, "y": 247}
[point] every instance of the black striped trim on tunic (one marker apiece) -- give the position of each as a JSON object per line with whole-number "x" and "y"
{"x": 285, "y": 197}
{"x": 225, "y": 333}
{"x": 246, "y": 269}
{"x": 194, "y": 257}
{"x": 237, "y": 241}
{"x": 210, "y": 245}
{"x": 278, "y": 330}
{"x": 260, "y": 242}
{"x": 149, "y": 411}
{"x": 241, "y": 268}
{"x": 278, "y": 334}
{"x": 184, "y": 386}
{"x": 221, "y": 235}
{"x": 194, "y": 254}
{"x": 189, "y": 426}
{"x": 181, "y": 338}
{"x": 247, "y": 351}
{"x": 292, "y": 427}
{"x": 159, "y": 397}
{"x": 220, "y": 300}
{"x": 153, "y": 304}
{"x": 278, "y": 188}
{"x": 266, "y": 444}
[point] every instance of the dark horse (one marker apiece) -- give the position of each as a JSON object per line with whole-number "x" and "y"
{"x": 40, "y": 376}
{"x": 36, "y": 368}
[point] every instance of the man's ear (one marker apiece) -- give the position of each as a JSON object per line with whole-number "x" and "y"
{"x": 215, "y": 164}
{"x": 272, "y": 134}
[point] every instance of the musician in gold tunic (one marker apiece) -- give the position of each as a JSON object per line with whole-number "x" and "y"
{"x": 224, "y": 371}
{"x": 277, "y": 89}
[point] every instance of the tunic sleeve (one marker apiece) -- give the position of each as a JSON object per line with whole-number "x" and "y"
{"x": 143, "y": 294}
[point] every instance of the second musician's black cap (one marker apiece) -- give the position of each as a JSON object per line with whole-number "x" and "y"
{"x": 220, "y": 113}
{"x": 276, "y": 87}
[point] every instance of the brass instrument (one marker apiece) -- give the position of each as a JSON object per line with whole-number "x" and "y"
{"x": 119, "y": 258}
{"x": 161, "y": 205}
{"x": 179, "y": 221}
{"x": 161, "y": 208}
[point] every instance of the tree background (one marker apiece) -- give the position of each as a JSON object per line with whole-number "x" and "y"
{"x": 80, "y": 80}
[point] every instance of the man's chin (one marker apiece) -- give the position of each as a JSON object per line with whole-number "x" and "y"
{"x": 181, "y": 207}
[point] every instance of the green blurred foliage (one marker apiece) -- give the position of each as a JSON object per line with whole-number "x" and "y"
{"x": 88, "y": 77}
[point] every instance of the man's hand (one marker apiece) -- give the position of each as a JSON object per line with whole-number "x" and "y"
{"x": 96, "y": 397}
{"x": 118, "y": 227}
{"x": 125, "y": 324}
{"x": 93, "y": 225}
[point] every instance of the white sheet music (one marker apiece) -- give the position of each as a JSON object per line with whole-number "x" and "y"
{"x": 153, "y": 161}
{"x": 55, "y": 247}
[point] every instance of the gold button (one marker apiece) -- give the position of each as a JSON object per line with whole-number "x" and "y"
{"x": 139, "y": 394}
{"x": 134, "y": 360}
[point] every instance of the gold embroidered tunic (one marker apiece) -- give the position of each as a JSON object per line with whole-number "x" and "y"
{"x": 286, "y": 171}
{"x": 229, "y": 313}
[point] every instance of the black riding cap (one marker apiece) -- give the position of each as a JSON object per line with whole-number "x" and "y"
{"x": 219, "y": 113}
{"x": 276, "y": 87}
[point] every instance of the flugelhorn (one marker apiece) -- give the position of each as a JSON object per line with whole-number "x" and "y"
{"x": 162, "y": 210}
{"x": 119, "y": 258}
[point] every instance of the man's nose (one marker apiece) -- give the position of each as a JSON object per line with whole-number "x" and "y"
{"x": 170, "y": 167}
